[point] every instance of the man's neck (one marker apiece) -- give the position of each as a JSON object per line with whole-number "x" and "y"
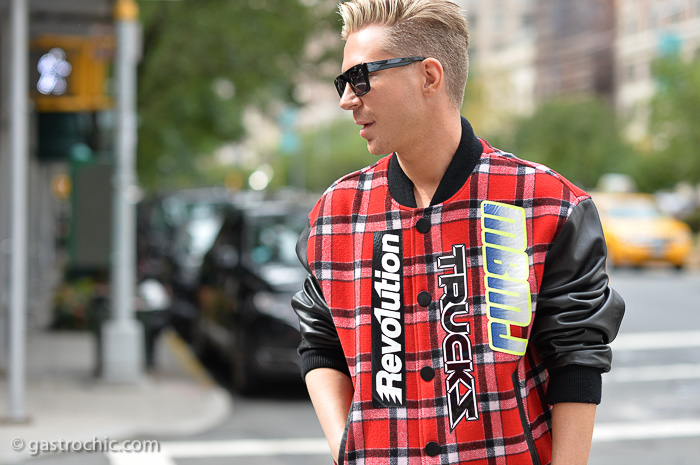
{"x": 425, "y": 163}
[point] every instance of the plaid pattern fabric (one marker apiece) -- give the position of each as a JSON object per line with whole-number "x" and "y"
{"x": 513, "y": 424}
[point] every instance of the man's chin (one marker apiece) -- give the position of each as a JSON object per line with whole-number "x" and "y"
{"x": 375, "y": 150}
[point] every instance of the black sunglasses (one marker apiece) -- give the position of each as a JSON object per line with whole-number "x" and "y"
{"x": 358, "y": 75}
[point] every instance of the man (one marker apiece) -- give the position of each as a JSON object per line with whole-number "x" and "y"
{"x": 457, "y": 308}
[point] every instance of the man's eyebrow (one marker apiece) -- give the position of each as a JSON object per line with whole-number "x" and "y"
{"x": 344, "y": 70}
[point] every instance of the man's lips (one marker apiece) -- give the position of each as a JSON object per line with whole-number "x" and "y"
{"x": 365, "y": 126}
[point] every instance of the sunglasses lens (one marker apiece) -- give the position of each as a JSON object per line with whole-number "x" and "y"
{"x": 340, "y": 83}
{"x": 359, "y": 82}
{"x": 356, "y": 77}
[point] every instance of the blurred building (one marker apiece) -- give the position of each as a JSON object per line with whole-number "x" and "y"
{"x": 502, "y": 56}
{"x": 575, "y": 48}
{"x": 530, "y": 51}
{"x": 526, "y": 52}
{"x": 645, "y": 30}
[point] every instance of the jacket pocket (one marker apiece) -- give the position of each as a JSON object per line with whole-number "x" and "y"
{"x": 527, "y": 429}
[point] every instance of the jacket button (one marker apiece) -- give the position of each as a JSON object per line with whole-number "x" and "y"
{"x": 427, "y": 373}
{"x": 424, "y": 298}
{"x": 423, "y": 225}
{"x": 432, "y": 449}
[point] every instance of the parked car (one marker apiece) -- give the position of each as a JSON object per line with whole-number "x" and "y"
{"x": 637, "y": 232}
{"x": 190, "y": 243}
{"x": 245, "y": 288}
{"x": 175, "y": 229}
{"x": 162, "y": 216}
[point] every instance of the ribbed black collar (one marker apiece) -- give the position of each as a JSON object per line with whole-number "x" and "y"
{"x": 463, "y": 162}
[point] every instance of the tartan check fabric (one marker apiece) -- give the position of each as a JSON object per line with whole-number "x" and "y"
{"x": 481, "y": 399}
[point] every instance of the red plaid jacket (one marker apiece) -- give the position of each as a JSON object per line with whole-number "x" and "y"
{"x": 446, "y": 328}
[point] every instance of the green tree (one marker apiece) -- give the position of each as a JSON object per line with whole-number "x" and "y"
{"x": 327, "y": 153}
{"x": 203, "y": 64}
{"x": 579, "y": 138}
{"x": 483, "y": 107}
{"x": 673, "y": 125}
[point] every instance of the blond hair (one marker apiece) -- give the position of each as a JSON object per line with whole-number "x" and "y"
{"x": 429, "y": 28}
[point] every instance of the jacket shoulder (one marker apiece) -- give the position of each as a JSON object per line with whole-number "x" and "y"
{"x": 547, "y": 181}
{"x": 343, "y": 192}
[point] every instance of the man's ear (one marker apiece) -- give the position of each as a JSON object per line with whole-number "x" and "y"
{"x": 434, "y": 76}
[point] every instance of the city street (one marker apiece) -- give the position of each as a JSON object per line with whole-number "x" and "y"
{"x": 161, "y": 177}
{"x": 650, "y": 412}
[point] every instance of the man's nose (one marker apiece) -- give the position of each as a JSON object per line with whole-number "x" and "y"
{"x": 349, "y": 100}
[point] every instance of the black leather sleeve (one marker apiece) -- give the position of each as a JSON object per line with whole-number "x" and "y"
{"x": 320, "y": 345}
{"x": 578, "y": 313}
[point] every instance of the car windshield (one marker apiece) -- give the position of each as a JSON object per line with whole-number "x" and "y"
{"x": 197, "y": 236}
{"x": 177, "y": 211}
{"x": 635, "y": 210}
{"x": 274, "y": 239}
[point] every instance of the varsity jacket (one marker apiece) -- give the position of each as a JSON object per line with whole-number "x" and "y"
{"x": 460, "y": 324}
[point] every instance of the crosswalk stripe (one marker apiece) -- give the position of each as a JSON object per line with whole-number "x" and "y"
{"x": 139, "y": 458}
{"x": 678, "y": 371}
{"x": 663, "y": 429}
{"x": 656, "y": 340}
{"x": 245, "y": 447}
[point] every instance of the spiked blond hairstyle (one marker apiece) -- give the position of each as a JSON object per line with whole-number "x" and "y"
{"x": 429, "y": 28}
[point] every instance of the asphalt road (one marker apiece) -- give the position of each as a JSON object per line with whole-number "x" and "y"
{"x": 651, "y": 400}
{"x": 650, "y": 412}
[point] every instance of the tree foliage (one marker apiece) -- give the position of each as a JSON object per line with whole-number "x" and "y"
{"x": 579, "y": 138}
{"x": 485, "y": 108}
{"x": 203, "y": 63}
{"x": 673, "y": 125}
{"x": 327, "y": 153}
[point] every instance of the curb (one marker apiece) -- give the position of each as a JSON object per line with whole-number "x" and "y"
{"x": 67, "y": 403}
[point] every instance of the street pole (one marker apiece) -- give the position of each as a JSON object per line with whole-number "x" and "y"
{"x": 122, "y": 336}
{"x": 19, "y": 120}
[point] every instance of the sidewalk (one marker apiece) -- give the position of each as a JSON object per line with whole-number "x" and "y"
{"x": 65, "y": 401}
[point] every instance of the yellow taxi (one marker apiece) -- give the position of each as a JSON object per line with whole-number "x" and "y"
{"x": 637, "y": 232}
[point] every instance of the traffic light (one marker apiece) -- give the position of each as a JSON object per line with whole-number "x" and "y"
{"x": 59, "y": 133}
{"x": 70, "y": 73}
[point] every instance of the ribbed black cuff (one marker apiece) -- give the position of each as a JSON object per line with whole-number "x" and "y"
{"x": 322, "y": 358}
{"x": 575, "y": 383}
